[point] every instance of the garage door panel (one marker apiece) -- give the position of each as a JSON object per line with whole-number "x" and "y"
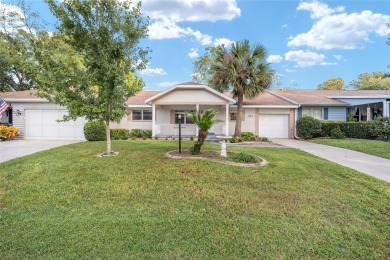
{"x": 274, "y": 126}
{"x": 43, "y": 124}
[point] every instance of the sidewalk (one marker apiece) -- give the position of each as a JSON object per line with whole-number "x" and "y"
{"x": 372, "y": 165}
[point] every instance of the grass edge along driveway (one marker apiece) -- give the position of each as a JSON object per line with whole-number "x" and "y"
{"x": 373, "y": 147}
{"x": 67, "y": 203}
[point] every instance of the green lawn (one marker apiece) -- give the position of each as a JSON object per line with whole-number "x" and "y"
{"x": 66, "y": 203}
{"x": 377, "y": 148}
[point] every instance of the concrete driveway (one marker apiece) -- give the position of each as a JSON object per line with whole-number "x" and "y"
{"x": 17, "y": 148}
{"x": 365, "y": 163}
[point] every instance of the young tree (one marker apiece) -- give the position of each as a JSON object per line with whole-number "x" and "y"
{"x": 204, "y": 123}
{"x": 332, "y": 84}
{"x": 375, "y": 80}
{"x": 243, "y": 70}
{"x": 89, "y": 66}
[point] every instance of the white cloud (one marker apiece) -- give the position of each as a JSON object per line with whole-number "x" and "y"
{"x": 193, "y": 53}
{"x": 328, "y": 63}
{"x": 168, "y": 29}
{"x": 290, "y": 70}
{"x": 11, "y": 18}
{"x": 304, "y": 59}
{"x": 153, "y": 71}
{"x": 318, "y": 9}
{"x": 338, "y": 57}
{"x": 336, "y": 29}
{"x": 285, "y": 25}
{"x": 191, "y": 10}
{"x": 274, "y": 58}
{"x": 223, "y": 41}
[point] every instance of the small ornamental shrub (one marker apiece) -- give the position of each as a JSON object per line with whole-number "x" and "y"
{"x": 244, "y": 158}
{"x": 120, "y": 134}
{"x": 308, "y": 127}
{"x": 264, "y": 139}
{"x": 336, "y": 133}
{"x": 147, "y": 133}
{"x": 8, "y": 132}
{"x": 191, "y": 138}
{"x": 136, "y": 133}
{"x": 248, "y": 136}
{"x": 380, "y": 128}
{"x": 95, "y": 131}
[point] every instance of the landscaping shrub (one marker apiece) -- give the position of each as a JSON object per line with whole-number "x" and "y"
{"x": 308, "y": 127}
{"x": 358, "y": 130}
{"x": 140, "y": 133}
{"x": 244, "y": 158}
{"x": 119, "y": 134}
{"x": 8, "y": 132}
{"x": 95, "y": 131}
{"x": 248, "y": 136}
{"x": 264, "y": 139}
{"x": 336, "y": 133}
{"x": 147, "y": 133}
{"x": 380, "y": 128}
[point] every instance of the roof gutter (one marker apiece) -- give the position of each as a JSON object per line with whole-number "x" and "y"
{"x": 27, "y": 100}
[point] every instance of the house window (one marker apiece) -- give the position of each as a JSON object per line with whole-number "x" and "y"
{"x": 184, "y": 118}
{"x": 313, "y": 112}
{"x": 142, "y": 115}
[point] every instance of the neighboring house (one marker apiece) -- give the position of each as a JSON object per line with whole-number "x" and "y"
{"x": 271, "y": 114}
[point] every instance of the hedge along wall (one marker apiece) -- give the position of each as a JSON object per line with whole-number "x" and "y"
{"x": 358, "y": 130}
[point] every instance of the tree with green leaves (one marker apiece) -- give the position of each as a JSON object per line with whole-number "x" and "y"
{"x": 204, "y": 123}
{"x": 375, "y": 80}
{"x": 89, "y": 64}
{"x": 17, "y": 62}
{"x": 332, "y": 84}
{"x": 242, "y": 69}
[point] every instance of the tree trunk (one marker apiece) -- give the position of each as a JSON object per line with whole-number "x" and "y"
{"x": 108, "y": 136}
{"x": 202, "y": 135}
{"x": 240, "y": 101}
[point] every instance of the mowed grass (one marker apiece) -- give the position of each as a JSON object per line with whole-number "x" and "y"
{"x": 66, "y": 203}
{"x": 373, "y": 147}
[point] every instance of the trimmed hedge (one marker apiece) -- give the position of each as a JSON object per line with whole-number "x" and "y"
{"x": 357, "y": 130}
{"x": 380, "y": 128}
{"x": 308, "y": 127}
{"x": 140, "y": 133}
{"x": 95, "y": 131}
{"x": 119, "y": 134}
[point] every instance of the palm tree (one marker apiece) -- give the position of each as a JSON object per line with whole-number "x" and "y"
{"x": 204, "y": 123}
{"x": 243, "y": 70}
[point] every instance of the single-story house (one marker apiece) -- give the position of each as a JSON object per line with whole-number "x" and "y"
{"x": 271, "y": 114}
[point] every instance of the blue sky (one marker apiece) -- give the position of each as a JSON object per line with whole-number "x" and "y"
{"x": 308, "y": 42}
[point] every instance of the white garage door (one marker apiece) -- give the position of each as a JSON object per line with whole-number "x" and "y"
{"x": 273, "y": 126}
{"x": 42, "y": 124}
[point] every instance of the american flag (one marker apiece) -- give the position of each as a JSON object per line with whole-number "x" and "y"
{"x": 3, "y": 106}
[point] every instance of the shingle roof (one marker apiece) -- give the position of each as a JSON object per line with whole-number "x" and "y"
{"x": 140, "y": 98}
{"x": 25, "y": 94}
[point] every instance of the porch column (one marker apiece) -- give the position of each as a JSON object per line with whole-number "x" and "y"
{"x": 196, "y": 127}
{"x": 153, "y": 120}
{"x": 227, "y": 117}
{"x": 386, "y": 109}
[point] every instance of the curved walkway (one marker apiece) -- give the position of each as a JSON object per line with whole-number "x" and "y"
{"x": 372, "y": 165}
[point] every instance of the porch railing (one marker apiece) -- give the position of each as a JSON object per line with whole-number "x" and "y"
{"x": 186, "y": 129}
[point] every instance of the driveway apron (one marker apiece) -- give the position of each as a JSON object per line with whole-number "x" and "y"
{"x": 17, "y": 148}
{"x": 372, "y": 165}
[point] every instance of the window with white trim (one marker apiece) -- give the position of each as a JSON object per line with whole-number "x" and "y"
{"x": 141, "y": 115}
{"x": 317, "y": 113}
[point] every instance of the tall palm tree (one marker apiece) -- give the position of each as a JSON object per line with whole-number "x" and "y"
{"x": 204, "y": 123}
{"x": 243, "y": 70}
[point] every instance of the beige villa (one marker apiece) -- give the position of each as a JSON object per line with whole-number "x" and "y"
{"x": 271, "y": 114}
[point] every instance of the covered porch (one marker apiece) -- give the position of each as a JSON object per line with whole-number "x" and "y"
{"x": 368, "y": 110}
{"x": 182, "y": 100}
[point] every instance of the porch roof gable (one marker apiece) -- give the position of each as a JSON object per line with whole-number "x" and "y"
{"x": 190, "y": 86}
